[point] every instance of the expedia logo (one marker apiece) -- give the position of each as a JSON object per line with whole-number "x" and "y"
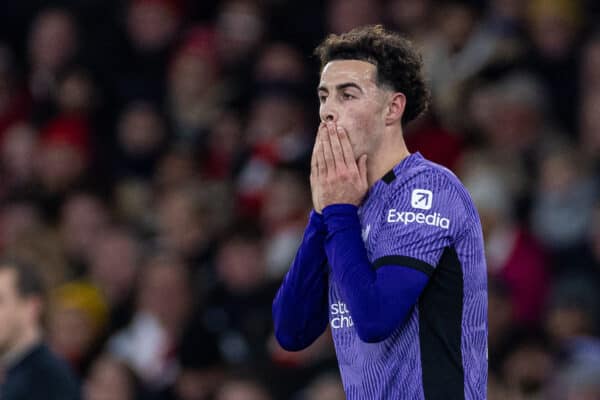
{"x": 421, "y": 199}
{"x": 409, "y": 217}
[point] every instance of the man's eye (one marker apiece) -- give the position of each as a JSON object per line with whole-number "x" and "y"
{"x": 347, "y": 96}
{"x": 322, "y": 99}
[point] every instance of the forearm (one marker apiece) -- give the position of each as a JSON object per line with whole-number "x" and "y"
{"x": 300, "y": 306}
{"x": 379, "y": 300}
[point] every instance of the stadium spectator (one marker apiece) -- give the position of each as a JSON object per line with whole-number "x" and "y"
{"x": 110, "y": 379}
{"x": 30, "y": 369}
{"x": 163, "y": 305}
{"x": 77, "y": 320}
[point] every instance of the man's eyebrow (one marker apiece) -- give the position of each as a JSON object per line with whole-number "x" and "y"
{"x": 341, "y": 86}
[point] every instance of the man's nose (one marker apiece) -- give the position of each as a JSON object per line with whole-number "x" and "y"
{"x": 328, "y": 114}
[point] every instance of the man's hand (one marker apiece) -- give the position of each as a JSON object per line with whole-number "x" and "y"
{"x": 314, "y": 169}
{"x": 336, "y": 177}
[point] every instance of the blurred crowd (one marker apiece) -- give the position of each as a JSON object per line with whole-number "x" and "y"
{"x": 154, "y": 165}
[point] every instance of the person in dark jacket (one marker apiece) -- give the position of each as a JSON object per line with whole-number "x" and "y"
{"x": 29, "y": 370}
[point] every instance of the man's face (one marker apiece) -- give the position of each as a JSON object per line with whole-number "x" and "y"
{"x": 12, "y": 310}
{"x": 350, "y": 97}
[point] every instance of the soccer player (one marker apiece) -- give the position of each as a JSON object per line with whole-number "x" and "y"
{"x": 392, "y": 257}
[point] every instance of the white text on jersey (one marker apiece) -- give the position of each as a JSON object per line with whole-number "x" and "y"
{"x": 408, "y": 217}
{"x": 340, "y": 316}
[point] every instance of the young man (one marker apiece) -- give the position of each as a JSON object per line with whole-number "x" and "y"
{"x": 392, "y": 257}
{"x": 29, "y": 369}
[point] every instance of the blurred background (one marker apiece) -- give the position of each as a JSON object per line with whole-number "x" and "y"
{"x": 154, "y": 165}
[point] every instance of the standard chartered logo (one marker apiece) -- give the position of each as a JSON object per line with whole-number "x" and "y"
{"x": 408, "y": 217}
{"x": 340, "y": 316}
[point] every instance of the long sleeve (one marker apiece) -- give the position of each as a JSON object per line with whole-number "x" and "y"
{"x": 379, "y": 299}
{"x": 300, "y": 306}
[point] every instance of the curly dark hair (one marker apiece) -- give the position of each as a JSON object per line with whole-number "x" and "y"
{"x": 399, "y": 65}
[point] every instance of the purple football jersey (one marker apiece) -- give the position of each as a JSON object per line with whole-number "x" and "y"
{"x": 420, "y": 216}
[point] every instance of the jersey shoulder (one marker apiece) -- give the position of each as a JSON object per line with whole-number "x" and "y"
{"x": 425, "y": 177}
{"x": 433, "y": 175}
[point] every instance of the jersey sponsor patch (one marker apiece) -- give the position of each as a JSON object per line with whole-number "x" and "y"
{"x": 409, "y": 217}
{"x": 340, "y": 316}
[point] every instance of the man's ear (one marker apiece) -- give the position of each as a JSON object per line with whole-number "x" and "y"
{"x": 396, "y": 105}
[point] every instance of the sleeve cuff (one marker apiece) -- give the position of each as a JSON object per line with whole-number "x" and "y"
{"x": 339, "y": 209}
{"x": 341, "y": 216}
{"x": 317, "y": 221}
